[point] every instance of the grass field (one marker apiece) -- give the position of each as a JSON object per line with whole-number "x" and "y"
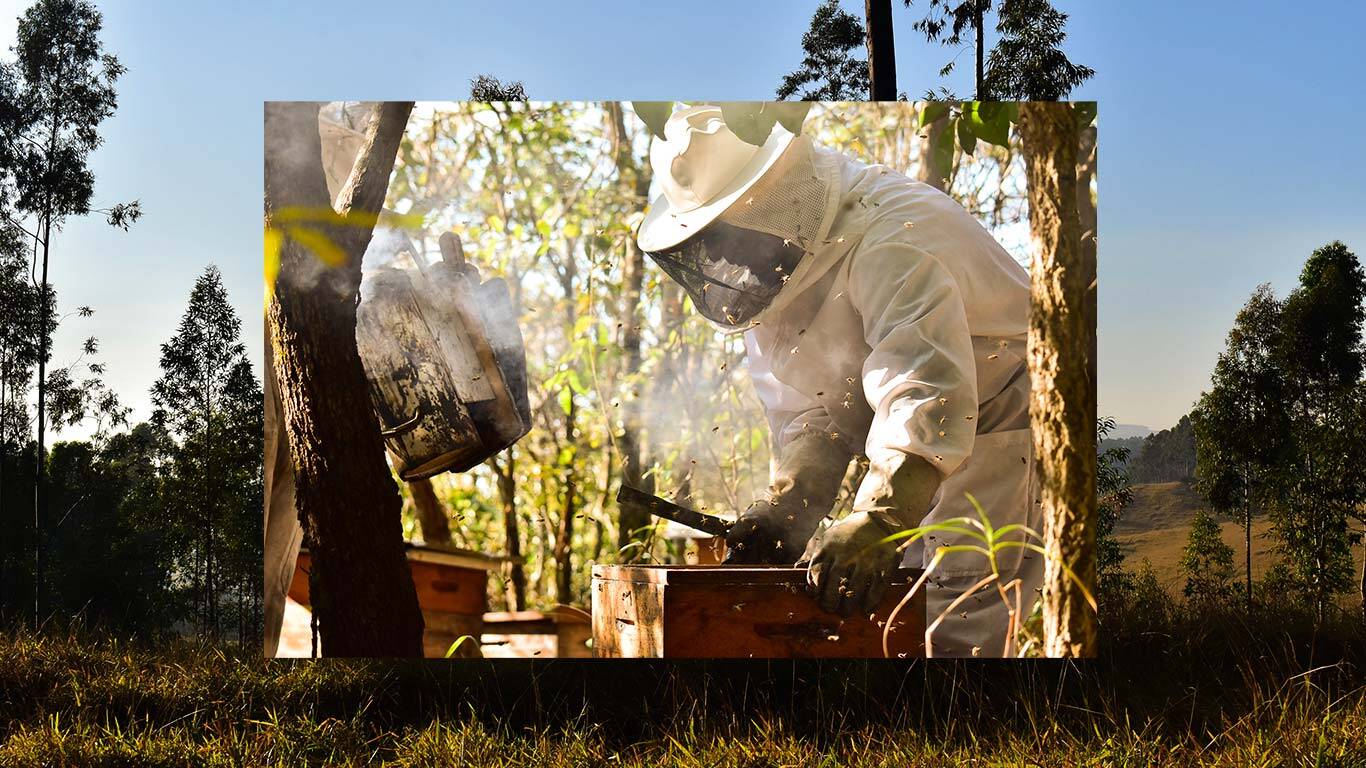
{"x": 1170, "y": 688}
{"x": 1156, "y": 524}
{"x": 1173, "y": 686}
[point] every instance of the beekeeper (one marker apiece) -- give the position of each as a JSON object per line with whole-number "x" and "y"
{"x": 880, "y": 319}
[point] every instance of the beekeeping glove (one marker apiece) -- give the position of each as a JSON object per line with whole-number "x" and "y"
{"x": 776, "y": 528}
{"x": 850, "y": 564}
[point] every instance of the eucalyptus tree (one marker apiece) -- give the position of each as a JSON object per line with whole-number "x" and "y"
{"x": 1062, "y": 355}
{"x": 61, "y": 88}
{"x": 1322, "y": 358}
{"x": 1208, "y": 563}
{"x": 1027, "y": 63}
{"x": 192, "y": 398}
{"x": 829, "y": 70}
{"x": 1236, "y": 475}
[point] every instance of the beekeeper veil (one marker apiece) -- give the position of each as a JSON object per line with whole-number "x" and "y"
{"x": 735, "y": 221}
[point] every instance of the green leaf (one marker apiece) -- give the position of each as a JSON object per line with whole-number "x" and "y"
{"x": 932, "y": 111}
{"x": 791, "y": 114}
{"x": 654, "y": 114}
{"x": 575, "y": 384}
{"x": 943, "y": 149}
{"x": 566, "y": 398}
{"x": 543, "y": 227}
{"x": 990, "y": 122}
{"x": 966, "y": 139}
{"x": 749, "y": 120}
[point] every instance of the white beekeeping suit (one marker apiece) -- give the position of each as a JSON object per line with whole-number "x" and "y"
{"x": 882, "y": 320}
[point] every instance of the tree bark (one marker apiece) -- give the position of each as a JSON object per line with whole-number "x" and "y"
{"x": 1363, "y": 581}
{"x": 431, "y": 516}
{"x": 507, "y": 493}
{"x": 1247, "y": 546}
{"x": 881, "y": 50}
{"x": 933, "y": 170}
{"x": 362, "y": 592}
{"x": 1086, "y": 205}
{"x": 1061, "y": 360}
{"x": 978, "y": 23}
{"x": 40, "y": 467}
{"x": 564, "y": 537}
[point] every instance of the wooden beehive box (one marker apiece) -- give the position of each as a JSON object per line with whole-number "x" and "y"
{"x": 560, "y": 633}
{"x": 707, "y": 611}
{"x": 452, "y": 590}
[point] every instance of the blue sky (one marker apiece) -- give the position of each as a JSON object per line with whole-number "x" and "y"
{"x": 1230, "y": 142}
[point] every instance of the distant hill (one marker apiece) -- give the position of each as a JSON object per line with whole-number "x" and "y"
{"x": 1159, "y": 506}
{"x": 1156, "y": 524}
{"x": 1156, "y": 457}
{"x": 1130, "y": 444}
{"x": 1122, "y": 431}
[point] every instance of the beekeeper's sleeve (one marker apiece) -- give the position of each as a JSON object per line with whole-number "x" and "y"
{"x": 920, "y": 377}
{"x": 810, "y": 454}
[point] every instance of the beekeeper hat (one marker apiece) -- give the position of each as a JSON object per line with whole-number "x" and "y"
{"x": 702, "y": 168}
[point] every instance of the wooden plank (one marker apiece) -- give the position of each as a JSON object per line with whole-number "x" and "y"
{"x": 739, "y": 612}
{"x": 443, "y": 629}
{"x": 450, "y": 590}
{"x": 703, "y": 575}
{"x": 439, "y": 587}
{"x": 453, "y": 557}
{"x": 628, "y": 618}
{"x": 519, "y": 623}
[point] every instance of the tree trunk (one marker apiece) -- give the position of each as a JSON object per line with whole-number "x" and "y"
{"x": 1086, "y": 205}
{"x": 362, "y": 592}
{"x": 507, "y": 493}
{"x": 881, "y": 50}
{"x": 431, "y": 516}
{"x": 564, "y": 537}
{"x": 631, "y": 522}
{"x": 40, "y": 467}
{"x": 978, "y": 23}
{"x": 935, "y": 169}
{"x": 1247, "y": 547}
{"x": 1061, "y": 359}
{"x": 1363, "y": 581}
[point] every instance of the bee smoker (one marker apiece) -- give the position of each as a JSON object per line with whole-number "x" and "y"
{"x": 444, "y": 360}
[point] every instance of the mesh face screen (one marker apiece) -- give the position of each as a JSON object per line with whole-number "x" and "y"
{"x": 788, "y": 201}
{"x": 735, "y": 266}
{"x": 730, "y": 272}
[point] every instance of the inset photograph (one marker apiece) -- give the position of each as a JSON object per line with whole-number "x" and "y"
{"x": 680, "y": 379}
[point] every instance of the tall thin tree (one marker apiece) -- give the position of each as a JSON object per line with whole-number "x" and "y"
{"x": 1246, "y": 397}
{"x": 1061, "y": 356}
{"x": 63, "y": 90}
{"x": 197, "y": 366}
{"x": 881, "y": 50}
{"x": 829, "y": 70}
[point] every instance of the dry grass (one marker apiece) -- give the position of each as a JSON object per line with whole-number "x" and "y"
{"x": 1171, "y": 688}
{"x": 1155, "y": 525}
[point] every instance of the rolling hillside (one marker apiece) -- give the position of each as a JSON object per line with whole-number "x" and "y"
{"x": 1156, "y": 524}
